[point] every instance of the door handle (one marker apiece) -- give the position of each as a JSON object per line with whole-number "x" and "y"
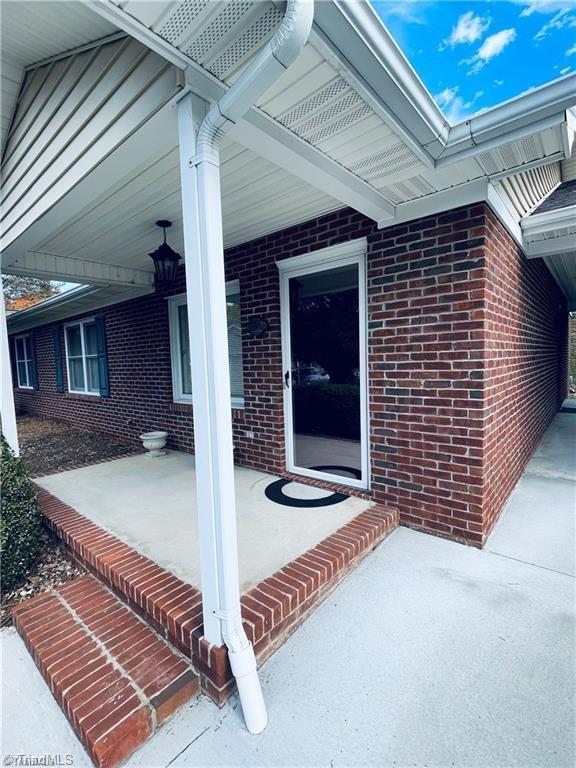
{"x": 287, "y": 378}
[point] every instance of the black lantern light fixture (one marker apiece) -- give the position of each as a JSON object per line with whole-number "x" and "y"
{"x": 165, "y": 259}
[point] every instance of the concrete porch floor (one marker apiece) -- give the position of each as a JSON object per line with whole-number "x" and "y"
{"x": 150, "y": 504}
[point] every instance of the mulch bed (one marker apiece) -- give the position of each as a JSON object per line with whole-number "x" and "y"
{"x": 48, "y": 446}
{"x": 54, "y": 567}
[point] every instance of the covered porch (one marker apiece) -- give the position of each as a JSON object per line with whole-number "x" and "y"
{"x": 131, "y": 522}
{"x": 150, "y": 505}
{"x": 202, "y": 120}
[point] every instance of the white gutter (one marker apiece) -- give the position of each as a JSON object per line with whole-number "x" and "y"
{"x": 53, "y": 301}
{"x": 211, "y": 388}
{"x": 548, "y": 221}
{"x": 543, "y": 108}
{"x": 364, "y": 44}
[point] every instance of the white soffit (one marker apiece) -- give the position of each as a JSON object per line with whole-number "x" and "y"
{"x": 552, "y": 236}
{"x": 325, "y": 100}
{"x": 34, "y": 30}
{"x": 257, "y": 198}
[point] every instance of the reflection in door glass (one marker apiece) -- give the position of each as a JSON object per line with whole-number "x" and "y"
{"x": 325, "y": 352}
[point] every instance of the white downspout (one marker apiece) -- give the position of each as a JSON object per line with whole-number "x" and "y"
{"x": 205, "y": 233}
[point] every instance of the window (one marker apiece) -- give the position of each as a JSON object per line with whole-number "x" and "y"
{"x": 82, "y": 357}
{"x": 24, "y": 361}
{"x": 180, "y": 347}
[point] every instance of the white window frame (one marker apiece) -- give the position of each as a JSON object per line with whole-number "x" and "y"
{"x": 82, "y": 323}
{"x": 174, "y": 302}
{"x": 26, "y": 360}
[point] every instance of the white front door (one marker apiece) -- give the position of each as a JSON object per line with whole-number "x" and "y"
{"x": 323, "y": 303}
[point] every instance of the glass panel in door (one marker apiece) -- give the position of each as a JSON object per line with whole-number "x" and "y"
{"x": 325, "y": 376}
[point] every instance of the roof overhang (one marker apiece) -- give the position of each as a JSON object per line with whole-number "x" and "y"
{"x": 549, "y": 232}
{"x": 382, "y": 147}
{"x": 83, "y": 299}
{"x": 551, "y": 235}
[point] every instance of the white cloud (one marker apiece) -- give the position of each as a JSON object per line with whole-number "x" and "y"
{"x": 468, "y": 29}
{"x": 408, "y": 11}
{"x": 571, "y": 51}
{"x": 455, "y": 107}
{"x": 498, "y": 82}
{"x": 561, "y": 19}
{"x": 491, "y": 47}
{"x": 565, "y": 70}
{"x": 544, "y": 6}
{"x": 446, "y": 96}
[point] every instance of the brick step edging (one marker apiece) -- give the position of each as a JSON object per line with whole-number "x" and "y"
{"x": 271, "y": 610}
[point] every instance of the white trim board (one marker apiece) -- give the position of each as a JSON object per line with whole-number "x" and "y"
{"x": 351, "y": 252}
{"x": 477, "y": 191}
{"x": 551, "y": 246}
{"x": 332, "y": 253}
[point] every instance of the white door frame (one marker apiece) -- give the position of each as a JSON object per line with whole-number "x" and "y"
{"x": 351, "y": 252}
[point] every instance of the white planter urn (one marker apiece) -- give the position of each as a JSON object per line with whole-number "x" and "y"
{"x": 154, "y": 442}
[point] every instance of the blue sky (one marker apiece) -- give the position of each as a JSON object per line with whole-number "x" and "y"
{"x": 474, "y": 55}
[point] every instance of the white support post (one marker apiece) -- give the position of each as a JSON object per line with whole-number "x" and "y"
{"x": 7, "y": 409}
{"x": 206, "y": 299}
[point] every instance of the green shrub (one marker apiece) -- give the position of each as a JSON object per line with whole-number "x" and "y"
{"x": 20, "y": 520}
{"x": 332, "y": 410}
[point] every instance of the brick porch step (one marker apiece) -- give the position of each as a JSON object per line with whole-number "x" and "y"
{"x": 114, "y": 678}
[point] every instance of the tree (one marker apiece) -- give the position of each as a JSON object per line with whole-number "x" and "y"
{"x": 22, "y": 292}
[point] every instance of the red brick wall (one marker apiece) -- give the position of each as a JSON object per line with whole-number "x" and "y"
{"x": 526, "y": 330}
{"x": 427, "y": 285}
{"x": 139, "y": 369}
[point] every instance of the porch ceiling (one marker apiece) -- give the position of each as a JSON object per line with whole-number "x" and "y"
{"x": 257, "y": 197}
{"x": 348, "y": 124}
{"x": 351, "y": 95}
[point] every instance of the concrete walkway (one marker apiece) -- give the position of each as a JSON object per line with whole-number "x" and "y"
{"x": 538, "y": 524}
{"x": 430, "y": 654}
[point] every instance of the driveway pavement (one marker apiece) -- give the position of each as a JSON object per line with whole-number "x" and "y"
{"x": 430, "y": 654}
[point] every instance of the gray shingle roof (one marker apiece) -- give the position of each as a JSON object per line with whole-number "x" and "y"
{"x": 562, "y": 197}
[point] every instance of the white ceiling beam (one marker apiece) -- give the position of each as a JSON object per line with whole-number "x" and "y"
{"x": 464, "y": 194}
{"x": 258, "y": 131}
{"x": 266, "y": 137}
{"x": 48, "y": 266}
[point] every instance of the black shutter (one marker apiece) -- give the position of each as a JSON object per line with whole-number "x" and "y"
{"x": 102, "y": 357}
{"x": 58, "y": 359}
{"x": 12, "y": 350}
{"x": 33, "y": 364}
